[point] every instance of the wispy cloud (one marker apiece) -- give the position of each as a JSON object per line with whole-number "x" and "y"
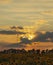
{"x": 22, "y": 12}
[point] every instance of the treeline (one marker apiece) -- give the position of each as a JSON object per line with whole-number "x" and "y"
{"x": 23, "y": 57}
{"x": 38, "y": 51}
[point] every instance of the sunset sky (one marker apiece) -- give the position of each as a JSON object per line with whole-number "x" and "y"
{"x": 26, "y": 24}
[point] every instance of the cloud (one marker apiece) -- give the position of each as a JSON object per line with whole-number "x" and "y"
{"x": 41, "y": 37}
{"x": 22, "y": 44}
{"x": 20, "y": 27}
{"x": 19, "y": 12}
{"x": 15, "y": 27}
{"x": 46, "y": 37}
{"x": 25, "y": 40}
{"x": 9, "y": 32}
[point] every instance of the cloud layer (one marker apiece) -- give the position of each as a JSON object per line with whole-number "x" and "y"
{"x": 10, "y": 32}
{"x": 23, "y": 13}
{"x": 42, "y": 40}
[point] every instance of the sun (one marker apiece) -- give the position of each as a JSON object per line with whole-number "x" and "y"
{"x": 30, "y": 36}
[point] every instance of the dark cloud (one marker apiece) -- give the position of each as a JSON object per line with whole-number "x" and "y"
{"x": 20, "y": 27}
{"x": 47, "y": 37}
{"x": 9, "y": 32}
{"x": 15, "y": 27}
{"x": 25, "y": 40}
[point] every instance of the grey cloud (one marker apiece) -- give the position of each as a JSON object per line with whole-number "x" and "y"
{"x": 47, "y": 37}
{"x": 14, "y": 27}
{"x": 25, "y": 40}
{"x": 9, "y": 32}
{"x": 20, "y": 27}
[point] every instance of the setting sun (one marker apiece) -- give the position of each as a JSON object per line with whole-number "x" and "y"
{"x": 30, "y": 36}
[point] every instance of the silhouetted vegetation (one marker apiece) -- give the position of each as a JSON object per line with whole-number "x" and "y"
{"x": 23, "y": 57}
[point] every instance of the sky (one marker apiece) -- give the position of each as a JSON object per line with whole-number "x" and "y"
{"x": 28, "y": 19}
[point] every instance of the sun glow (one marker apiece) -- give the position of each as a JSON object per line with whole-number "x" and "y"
{"x": 30, "y": 36}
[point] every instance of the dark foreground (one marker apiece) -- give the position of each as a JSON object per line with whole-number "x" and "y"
{"x": 22, "y": 57}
